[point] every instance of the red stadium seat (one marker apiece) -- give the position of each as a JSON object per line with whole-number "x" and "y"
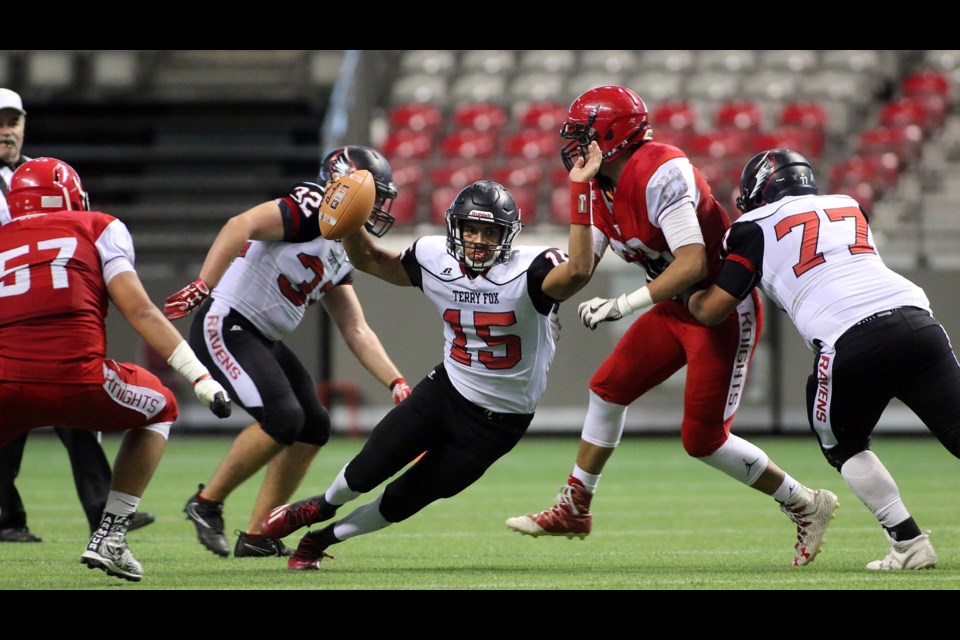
{"x": 519, "y": 173}
{"x": 927, "y": 113}
{"x": 526, "y": 199}
{"x": 925, "y": 83}
{"x": 808, "y": 116}
{"x": 407, "y": 176}
{"x": 547, "y": 116}
{"x": 906, "y": 141}
{"x": 533, "y": 144}
{"x": 440, "y": 201}
{"x": 456, "y": 173}
{"x": 407, "y": 144}
{"x": 739, "y": 115}
{"x": 469, "y": 144}
{"x": 676, "y": 115}
{"x": 420, "y": 117}
{"x": 480, "y": 116}
{"x": 782, "y": 138}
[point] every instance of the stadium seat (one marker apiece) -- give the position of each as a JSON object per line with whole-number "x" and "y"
{"x": 906, "y": 142}
{"x": 526, "y": 199}
{"x": 419, "y": 87}
{"x": 407, "y": 176}
{"x": 496, "y": 61}
{"x": 677, "y": 115}
{"x": 428, "y": 61}
{"x": 548, "y": 116}
{"x": 407, "y": 144}
{"x": 456, "y": 173}
{"x": 480, "y": 116}
{"x": 905, "y": 112}
{"x": 468, "y": 144}
{"x": 811, "y": 118}
{"x": 519, "y": 173}
{"x": 536, "y": 86}
{"x": 440, "y": 200}
{"x": 739, "y": 115}
{"x": 478, "y": 87}
{"x": 532, "y": 144}
{"x": 586, "y": 80}
{"x": 657, "y": 86}
{"x": 612, "y": 60}
{"x": 673, "y": 61}
{"x": 731, "y": 60}
{"x": 796, "y": 61}
{"x": 557, "y": 61}
{"x": 416, "y": 116}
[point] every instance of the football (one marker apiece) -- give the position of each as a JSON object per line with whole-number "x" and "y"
{"x": 347, "y": 204}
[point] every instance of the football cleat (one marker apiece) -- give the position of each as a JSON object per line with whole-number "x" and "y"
{"x": 570, "y": 517}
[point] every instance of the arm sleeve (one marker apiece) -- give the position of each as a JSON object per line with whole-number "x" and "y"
{"x": 742, "y": 252}
{"x": 115, "y": 247}
{"x": 681, "y": 227}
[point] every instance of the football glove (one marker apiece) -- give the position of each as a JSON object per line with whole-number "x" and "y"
{"x": 597, "y": 310}
{"x": 400, "y": 390}
{"x": 186, "y": 300}
{"x": 213, "y": 395}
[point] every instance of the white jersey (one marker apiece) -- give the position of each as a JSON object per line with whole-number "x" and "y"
{"x": 272, "y": 283}
{"x": 496, "y": 328}
{"x": 814, "y": 256}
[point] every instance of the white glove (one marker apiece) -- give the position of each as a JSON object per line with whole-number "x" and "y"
{"x": 555, "y": 323}
{"x": 597, "y": 310}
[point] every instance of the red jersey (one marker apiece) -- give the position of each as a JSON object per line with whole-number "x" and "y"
{"x": 657, "y": 179}
{"x": 54, "y": 269}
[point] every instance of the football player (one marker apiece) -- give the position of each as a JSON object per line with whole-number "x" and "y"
{"x": 264, "y": 268}
{"x": 872, "y": 330}
{"x": 495, "y": 300}
{"x": 653, "y": 208}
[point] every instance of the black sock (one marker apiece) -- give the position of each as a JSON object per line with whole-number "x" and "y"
{"x": 906, "y": 530}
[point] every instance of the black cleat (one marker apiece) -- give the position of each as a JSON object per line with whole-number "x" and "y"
{"x": 207, "y": 515}
{"x": 249, "y": 546}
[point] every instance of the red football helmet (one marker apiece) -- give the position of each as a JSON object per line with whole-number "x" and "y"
{"x": 46, "y": 184}
{"x": 614, "y": 116}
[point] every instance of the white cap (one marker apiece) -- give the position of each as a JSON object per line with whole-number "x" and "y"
{"x": 11, "y": 100}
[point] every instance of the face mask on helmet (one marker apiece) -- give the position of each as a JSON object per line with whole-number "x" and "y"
{"x": 46, "y": 185}
{"x": 344, "y": 160}
{"x": 774, "y": 174}
{"x": 484, "y": 202}
{"x": 614, "y": 116}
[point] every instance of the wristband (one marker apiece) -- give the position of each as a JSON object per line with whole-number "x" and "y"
{"x": 186, "y": 363}
{"x": 396, "y": 382}
{"x": 639, "y": 299}
{"x": 580, "y": 203}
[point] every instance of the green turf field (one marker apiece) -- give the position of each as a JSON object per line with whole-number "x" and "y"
{"x": 661, "y": 521}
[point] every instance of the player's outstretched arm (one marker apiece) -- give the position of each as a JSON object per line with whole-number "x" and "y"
{"x": 370, "y": 258}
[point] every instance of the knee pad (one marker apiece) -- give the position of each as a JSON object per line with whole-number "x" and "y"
{"x": 839, "y": 454}
{"x": 281, "y": 421}
{"x": 316, "y": 427}
{"x": 163, "y": 428}
{"x": 603, "y": 425}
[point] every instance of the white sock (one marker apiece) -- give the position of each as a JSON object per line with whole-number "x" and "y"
{"x": 121, "y": 504}
{"x": 869, "y": 479}
{"x": 363, "y": 519}
{"x": 340, "y": 492}
{"x": 589, "y": 480}
{"x": 792, "y": 492}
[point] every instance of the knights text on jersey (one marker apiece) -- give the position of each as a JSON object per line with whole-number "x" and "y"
{"x": 54, "y": 269}
{"x": 814, "y": 256}
{"x": 497, "y": 341}
{"x": 272, "y": 283}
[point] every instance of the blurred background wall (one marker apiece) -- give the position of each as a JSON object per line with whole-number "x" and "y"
{"x": 174, "y": 142}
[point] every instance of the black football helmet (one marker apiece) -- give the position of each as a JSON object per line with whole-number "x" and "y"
{"x": 774, "y": 174}
{"x": 482, "y": 201}
{"x": 349, "y": 158}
